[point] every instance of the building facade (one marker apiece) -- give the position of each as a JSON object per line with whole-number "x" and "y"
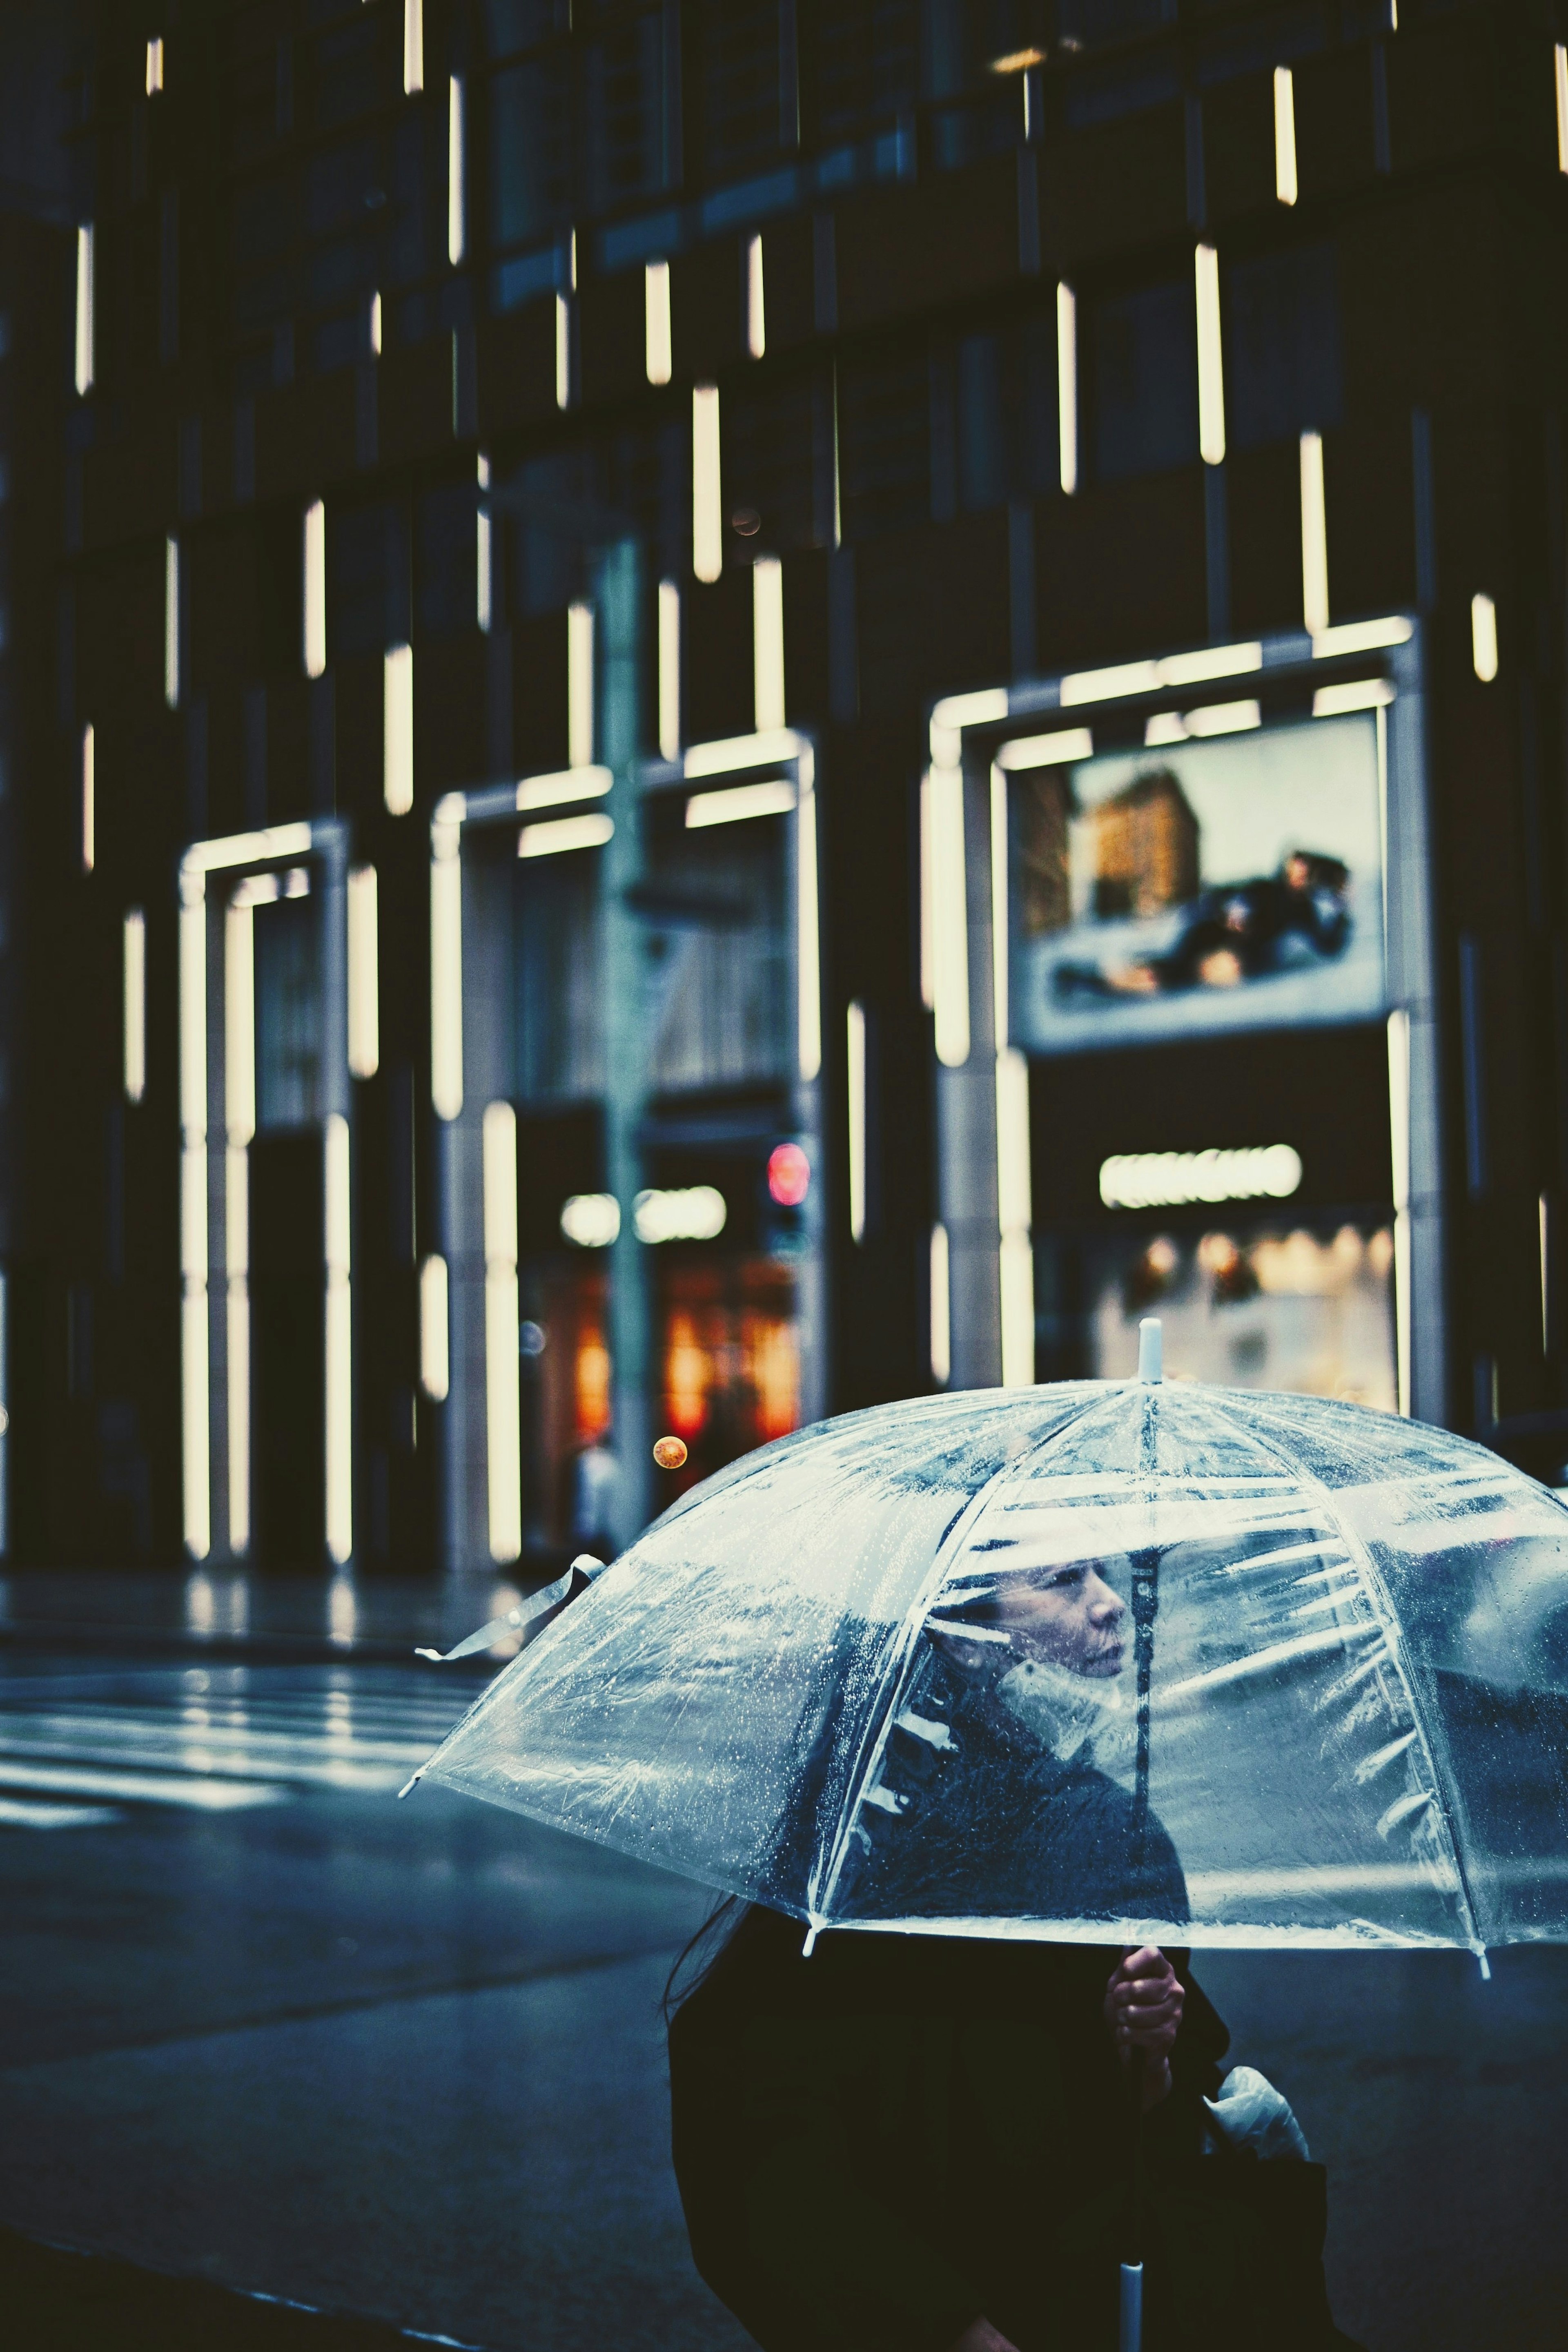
{"x": 753, "y": 705}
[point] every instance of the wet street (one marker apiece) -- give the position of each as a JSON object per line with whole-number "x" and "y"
{"x": 263, "y": 2025}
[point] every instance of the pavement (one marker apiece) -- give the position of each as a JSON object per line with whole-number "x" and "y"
{"x": 265, "y": 2031}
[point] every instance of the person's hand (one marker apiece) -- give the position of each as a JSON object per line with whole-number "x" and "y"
{"x": 1143, "y": 2009}
{"x": 981, "y": 2336}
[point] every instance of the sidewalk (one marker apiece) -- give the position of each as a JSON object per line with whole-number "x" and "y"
{"x": 59, "y": 2301}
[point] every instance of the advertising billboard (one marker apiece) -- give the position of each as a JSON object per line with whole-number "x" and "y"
{"x": 1199, "y": 888}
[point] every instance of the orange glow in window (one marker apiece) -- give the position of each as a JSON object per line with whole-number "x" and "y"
{"x": 688, "y": 1373}
{"x": 593, "y": 1385}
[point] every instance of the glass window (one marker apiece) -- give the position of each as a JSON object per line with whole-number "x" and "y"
{"x": 446, "y": 560}
{"x": 740, "y": 51}
{"x": 718, "y": 949}
{"x": 864, "y": 65}
{"x": 1282, "y": 346}
{"x": 367, "y": 578}
{"x": 777, "y": 462}
{"x": 512, "y": 24}
{"x": 288, "y": 1015}
{"x": 623, "y": 92}
{"x": 884, "y": 444}
{"x": 1144, "y": 356}
{"x": 531, "y": 148}
{"x": 345, "y": 185}
{"x": 1091, "y": 24}
{"x": 558, "y": 956}
{"x": 353, "y": 71}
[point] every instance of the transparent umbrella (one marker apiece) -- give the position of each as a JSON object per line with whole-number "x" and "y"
{"x": 1106, "y": 1662}
{"x": 1116, "y": 1662}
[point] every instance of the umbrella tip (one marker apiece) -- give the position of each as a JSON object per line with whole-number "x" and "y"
{"x": 1151, "y": 1349}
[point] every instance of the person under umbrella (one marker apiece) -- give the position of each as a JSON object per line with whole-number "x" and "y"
{"x": 921, "y": 2141}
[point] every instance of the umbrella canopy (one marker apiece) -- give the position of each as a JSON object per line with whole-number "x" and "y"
{"x": 1109, "y": 1662}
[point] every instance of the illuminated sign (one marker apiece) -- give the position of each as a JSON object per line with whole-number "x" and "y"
{"x": 1173, "y": 1179}
{"x": 591, "y": 1220}
{"x": 696, "y": 1212}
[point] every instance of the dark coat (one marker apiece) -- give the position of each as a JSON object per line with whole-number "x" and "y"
{"x": 877, "y": 2144}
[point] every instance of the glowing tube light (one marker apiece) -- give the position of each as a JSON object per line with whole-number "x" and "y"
{"x": 236, "y": 1333}
{"x": 1210, "y": 368}
{"x": 154, "y": 64}
{"x": 434, "y": 1348}
{"x": 669, "y": 670}
{"x": 84, "y": 320}
{"x": 1284, "y": 135}
{"x": 1560, "y": 76}
{"x": 1314, "y": 537}
{"x": 195, "y": 1406}
{"x": 315, "y": 589}
{"x": 239, "y": 1021}
{"x": 580, "y": 684}
{"x": 413, "y": 46}
{"x": 767, "y": 641}
{"x": 756, "y": 313}
{"x": 947, "y": 892}
{"x": 338, "y": 1361}
{"x": 855, "y": 1042}
{"x": 397, "y": 729}
{"x": 364, "y": 981}
{"x": 562, "y": 351}
{"x": 1014, "y": 1211}
{"x": 1067, "y": 386}
{"x": 941, "y": 1309}
{"x": 133, "y": 999}
{"x": 483, "y": 581}
{"x": 707, "y": 496}
{"x": 88, "y": 812}
{"x": 447, "y": 971}
{"x": 456, "y": 207}
{"x": 658, "y": 349}
{"x": 1483, "y": 639}
{"x": 503, "y": 1442}
{"x": 808, "y": 952}
{"x": 172, "y": 623}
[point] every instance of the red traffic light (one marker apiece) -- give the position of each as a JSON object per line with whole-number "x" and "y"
{"x": 789, "y": 1175}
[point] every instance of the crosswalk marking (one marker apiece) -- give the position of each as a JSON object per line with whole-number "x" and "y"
{"x": 219, "y": 1740}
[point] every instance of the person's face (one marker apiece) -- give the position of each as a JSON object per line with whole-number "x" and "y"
{"x": 1066, "y": 1617}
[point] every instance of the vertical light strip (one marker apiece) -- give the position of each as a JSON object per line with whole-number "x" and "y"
{"x": 999, "y": 932}
{"x": 658, "y": 350}
{"x": 194, "y": 1415}
{"x": 1014, "y": 1216}
{"x": 808, "y": 943}
{"x": 1483, "y": 639}
{"x": 397, "y": 729}
{"x": 503, "y": 1441}
{"x": 768, "y": 642}
{"x": 337, "y": 1222}
{"x": 1210, "y": 365}
{"x": 1399, "y": 1155}
{"x": 941, "y": 1309}
{"x": 455, "y": 174}
{"x": 484, "y": 584}
{"x": 947, "y": 889}
{"x": 1560, "y": 76}
{"x": 855, "y": 1064}
{"x": 446, "y": 969}
{"x": 1067, "y": 386}
{"x": 580, "y": 686}
{"x": 172, "y": 623}
{"x": 928, "y": 903}
{"x": 84, "y": 320}
{"x": 434, "y": 1344}
{"x": 239, "y": 1122}
{"x": 154, "y": 64}
{"x": 669, "y": 669}
{"x": 1314, "y": 537}
{"x": 413, "y": 46}
{"x": 364, "y": 974}
{"x": 133, "y": 1003}
{"x": 88, "y": 813}
{"x": 756, "y": 313}
{"x": 315, "y": 589}
{"x": 1545, "y": 1273}
{"x": 562, "y": 351}
{"x": 707, "y": 493}
{"x": 373, "y": 326}
{"x": 1284, "y": 135}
